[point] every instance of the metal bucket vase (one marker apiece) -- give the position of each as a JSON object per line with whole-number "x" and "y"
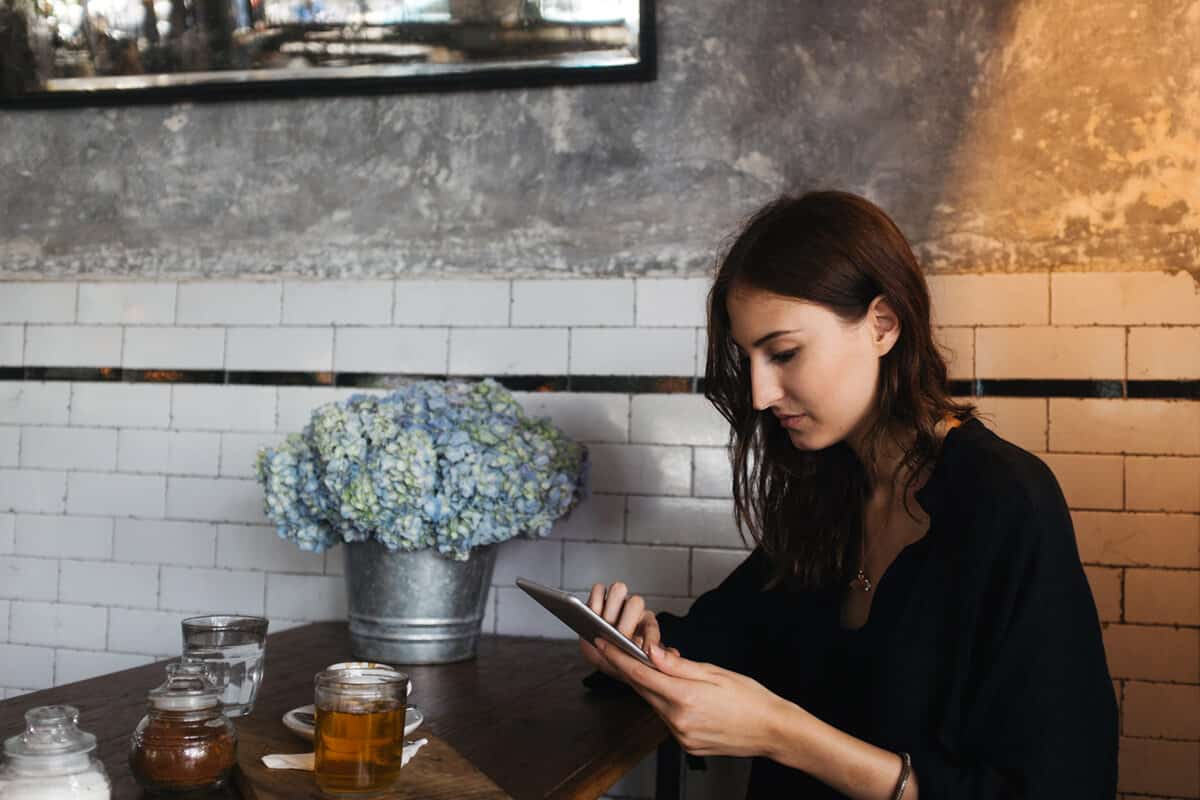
{"x": 415, "y": 607}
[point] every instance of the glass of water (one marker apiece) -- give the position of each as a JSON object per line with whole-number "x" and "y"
{"x": 231, "y": 649}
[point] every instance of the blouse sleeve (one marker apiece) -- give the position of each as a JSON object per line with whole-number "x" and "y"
{"x": 1031, "y": 708}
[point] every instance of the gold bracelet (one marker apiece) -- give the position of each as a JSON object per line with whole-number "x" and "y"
{"x": 905, "y": 773}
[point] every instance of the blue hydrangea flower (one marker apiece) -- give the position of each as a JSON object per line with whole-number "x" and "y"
{"x": 447, "y": 465}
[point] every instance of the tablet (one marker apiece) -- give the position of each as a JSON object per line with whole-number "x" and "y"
{"x": 581, "y": 619}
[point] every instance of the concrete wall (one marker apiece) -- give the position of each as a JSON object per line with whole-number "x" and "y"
{"x": 1003, "y": 135}
{"x": 1053, "y": 138}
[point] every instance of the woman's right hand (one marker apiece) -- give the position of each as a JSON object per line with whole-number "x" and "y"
{"x": 628, "y": 614}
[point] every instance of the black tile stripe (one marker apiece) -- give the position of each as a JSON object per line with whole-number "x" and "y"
{"x": 1173, "y": 390}
{"x": 616, "y": 384}
{"x": 1022, "y": 387}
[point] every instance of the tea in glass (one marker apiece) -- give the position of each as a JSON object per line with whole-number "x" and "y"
{"x": 359, "y": 738}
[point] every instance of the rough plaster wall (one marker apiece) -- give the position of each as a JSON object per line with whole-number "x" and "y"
{"x": 1001, "y": 135}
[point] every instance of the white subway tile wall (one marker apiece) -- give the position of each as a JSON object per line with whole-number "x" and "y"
{"x": 223, "y": 408}
{"x": 54, "y": 536}
{"x": 290, "y": 349}
{"x": 337, "y": 302}
{"x": 12, "y": 345}
{"x": 508, "y": 351}
{"x": 632, "y": 351}
{"x": 59, "y": 625}
{"x": 229, "y": 303}
{"x": 584, "y": 417}
{"x": 39, "y": 491}
{"x": 127, "y": 303}
{"x": 461, "y": 303}
{"x": 27, "y": 302}
{"x": 10, "y": 446}
{"x": 169, "y": 452}
{"x": 120, "y": 405}
{"x": 174, "y": 348}
{"x": 672, "y": 302}
{"x": 8, "y": 524}
{"x": 70, "y": 448}
{"x": 72, "y": 345}
{"x": 572, "y": 302}
{"x": 33, "y": 403}
{"x": 419, "y": 351}
{"x": 124, "y": 507}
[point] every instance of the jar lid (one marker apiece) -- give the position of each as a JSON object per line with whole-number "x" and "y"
{"x": 187, "y": 688}
{"x": 51, "y": 732}
{"x": 362, "y": 679}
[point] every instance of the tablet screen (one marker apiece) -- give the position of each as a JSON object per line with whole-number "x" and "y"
{"x": 578, "y": 617}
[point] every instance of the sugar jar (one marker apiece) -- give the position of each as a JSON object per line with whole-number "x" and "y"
{"x": 185, "y": 742}
{"x": 52, "y": 759}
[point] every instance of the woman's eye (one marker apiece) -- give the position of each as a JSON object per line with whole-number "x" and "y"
{"x": 785, "y": 356}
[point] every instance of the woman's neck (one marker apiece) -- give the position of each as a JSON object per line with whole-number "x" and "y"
{"x": 882, "y": 465}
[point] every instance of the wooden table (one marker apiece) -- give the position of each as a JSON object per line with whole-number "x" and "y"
{"x": 518, "y": 712}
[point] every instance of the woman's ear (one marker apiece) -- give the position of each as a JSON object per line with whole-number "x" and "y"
{"x": 884, "y": 325}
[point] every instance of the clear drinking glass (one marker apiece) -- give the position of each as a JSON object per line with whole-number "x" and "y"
{"x": 232, "y": 649}
{"x": 359, "y": 738}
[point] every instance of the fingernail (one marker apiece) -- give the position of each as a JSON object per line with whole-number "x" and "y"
{"x": 656, "y": 650}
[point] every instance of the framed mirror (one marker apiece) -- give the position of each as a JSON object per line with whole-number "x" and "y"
{"x": 105, "y": 52}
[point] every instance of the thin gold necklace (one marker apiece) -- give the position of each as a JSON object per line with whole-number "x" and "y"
{"x": 861, "y": 581}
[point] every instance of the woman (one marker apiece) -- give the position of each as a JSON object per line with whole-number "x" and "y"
{"x": 914, "y": 620}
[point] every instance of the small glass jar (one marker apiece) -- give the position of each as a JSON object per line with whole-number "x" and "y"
{"x": 185, "y": 743}
{"x": 359, "y": 737}
{"x": 52, "y": 759}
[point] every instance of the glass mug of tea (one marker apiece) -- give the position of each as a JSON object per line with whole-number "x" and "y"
{"x": 359, "y": 737}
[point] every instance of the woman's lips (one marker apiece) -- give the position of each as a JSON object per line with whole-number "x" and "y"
{"x": 792, "y": 420}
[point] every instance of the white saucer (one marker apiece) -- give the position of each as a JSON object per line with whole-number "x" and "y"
{"x": 299, "y": 726}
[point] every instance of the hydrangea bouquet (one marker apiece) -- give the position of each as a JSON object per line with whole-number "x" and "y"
{"x": 435, "y": 464}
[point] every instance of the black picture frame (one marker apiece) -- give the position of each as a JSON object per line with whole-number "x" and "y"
{"x": 480, "y": 76}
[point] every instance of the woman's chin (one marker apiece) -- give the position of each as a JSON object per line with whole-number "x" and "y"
{"x": 802, "y": 439}
{"x": 811, "y": 437}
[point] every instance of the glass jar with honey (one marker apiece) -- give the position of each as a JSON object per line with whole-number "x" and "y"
{"x": 185, "y": 743}
{"x": 359, "y": 734}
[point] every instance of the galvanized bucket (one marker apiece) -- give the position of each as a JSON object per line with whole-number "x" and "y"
{"x": 416, "y": 607}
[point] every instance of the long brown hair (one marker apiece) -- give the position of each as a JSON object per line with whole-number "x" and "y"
{"x": 806, "y": 508}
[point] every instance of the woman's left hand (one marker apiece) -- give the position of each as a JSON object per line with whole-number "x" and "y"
{"x": 711, "y": 711}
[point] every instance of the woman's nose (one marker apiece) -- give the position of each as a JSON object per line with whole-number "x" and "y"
{"x": 764, "y": 388}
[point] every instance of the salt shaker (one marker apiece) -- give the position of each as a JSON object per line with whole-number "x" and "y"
{"x": 185, "y": 743}
{"x": 52, "y": 759}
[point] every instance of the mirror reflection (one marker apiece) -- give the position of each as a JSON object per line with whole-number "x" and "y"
{"x": 72, "y": 46}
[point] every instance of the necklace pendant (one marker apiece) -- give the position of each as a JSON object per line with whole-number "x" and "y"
{"x": 863, "y": 581}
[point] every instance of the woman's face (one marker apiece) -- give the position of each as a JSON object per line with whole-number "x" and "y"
{"x": 816, "y": 372}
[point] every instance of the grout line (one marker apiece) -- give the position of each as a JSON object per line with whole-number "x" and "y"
{"x": 1050, "y": 298}
{"x": 691, "y": 570}
{"x": 1124, "y": 481}
{"x": 562, "y": 564}
{"x": 1121, "y": 575}
{"x": 1125, "y": 381}
{"x": 1046, "y": 430}
{"x": 974, "y": 353}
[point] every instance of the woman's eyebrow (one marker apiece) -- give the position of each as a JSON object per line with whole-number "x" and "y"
{"x": 764, "y": 339}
